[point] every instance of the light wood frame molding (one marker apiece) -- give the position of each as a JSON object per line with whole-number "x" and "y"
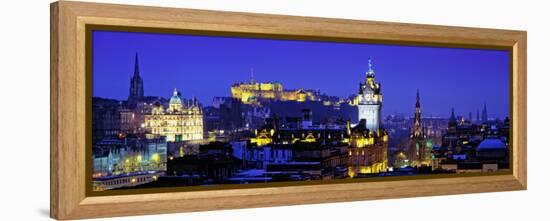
{"x": 68, "y": 101}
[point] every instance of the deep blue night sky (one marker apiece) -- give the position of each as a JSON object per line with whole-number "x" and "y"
{"x": 207, "y": 66}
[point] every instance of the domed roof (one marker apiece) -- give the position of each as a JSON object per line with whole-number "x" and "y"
{"x": 175, "y": 99}
{"x": 491, "y": 144}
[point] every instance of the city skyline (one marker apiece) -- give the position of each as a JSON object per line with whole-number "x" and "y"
{"x": 471, "y": 78}
{"x": 281, "y": 125}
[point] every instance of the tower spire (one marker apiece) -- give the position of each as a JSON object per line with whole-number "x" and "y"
{"x": 136, "y": 66}
{"x": 370, "y": 63}
{"x": 370, "y": 72}
{"x": 417, "y": 127}
{"x": 417, "y": 97}
{"x": 136, "y": 84}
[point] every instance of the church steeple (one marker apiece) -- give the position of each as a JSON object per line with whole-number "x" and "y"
{"x": 417, "y": 98}
{"x": 136, "y": 66}
{"x": 136, "y": 84}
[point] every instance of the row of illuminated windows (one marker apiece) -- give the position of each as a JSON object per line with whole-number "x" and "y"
{"x": 195, "y": 130}
{"x": 126, "y": 180}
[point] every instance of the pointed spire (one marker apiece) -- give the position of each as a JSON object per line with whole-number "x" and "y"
{"x": 417, "y": 128}
{"x": 136, "y": 83}
{"x": 136, "y": 66}
{"x": 370, "y": 63}
{"x": 417, "y": 97}
{"x": 370, "y": 72}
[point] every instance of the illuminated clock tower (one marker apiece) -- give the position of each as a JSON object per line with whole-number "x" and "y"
{"x": 369, "y": 101}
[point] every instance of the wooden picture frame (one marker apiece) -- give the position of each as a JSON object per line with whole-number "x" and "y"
{"x": 69, "y": 198}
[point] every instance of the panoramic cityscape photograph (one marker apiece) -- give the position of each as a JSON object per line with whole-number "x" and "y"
{"x": 177, "y": 110}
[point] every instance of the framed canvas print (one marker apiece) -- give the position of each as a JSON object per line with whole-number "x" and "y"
{"x": 160, "y": 110}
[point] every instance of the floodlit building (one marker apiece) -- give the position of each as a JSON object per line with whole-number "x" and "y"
{"x": 254, "y": 92}
{"x": 179, "y": 122}
{"x": 368, "y": 150}
{"x": 369, "y": 100}
{"x": 128, "y": 155}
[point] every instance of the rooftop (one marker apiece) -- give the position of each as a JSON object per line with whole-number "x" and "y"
{"x": 491, "y": 143}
